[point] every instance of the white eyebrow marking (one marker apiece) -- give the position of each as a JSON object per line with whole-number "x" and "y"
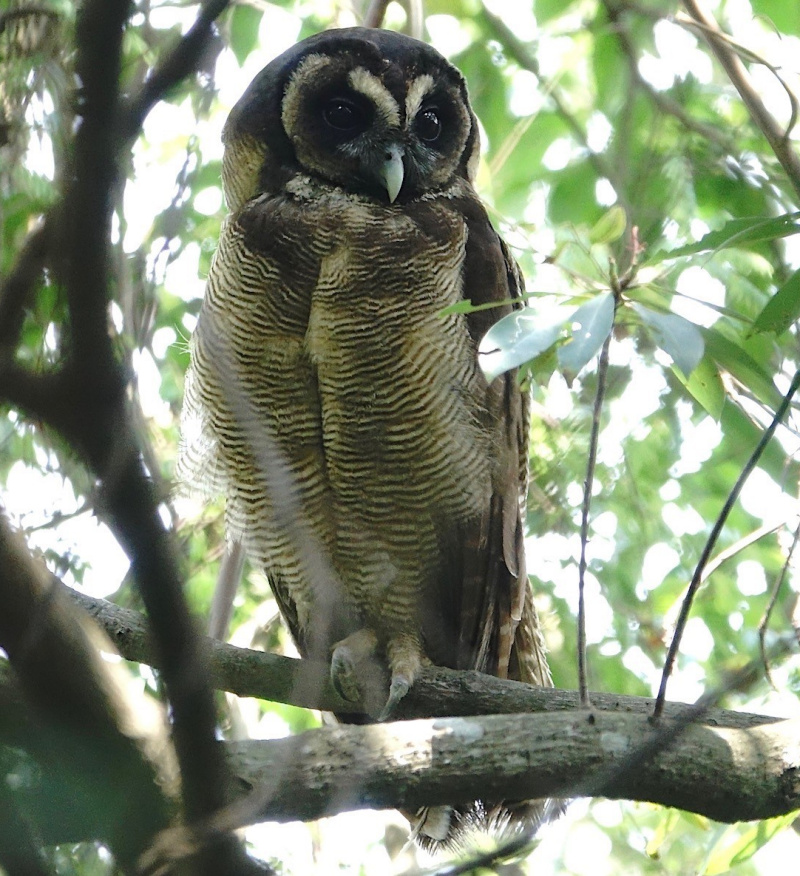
{"x": 416, "y": 92}
{"x": 370, "y": 86}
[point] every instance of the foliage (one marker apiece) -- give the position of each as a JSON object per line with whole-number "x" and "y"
{"x": 633, "y": 186}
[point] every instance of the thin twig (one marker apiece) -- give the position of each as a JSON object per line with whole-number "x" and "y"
{"x": 376, "y": 10}
{"x": 747, "y": 55}
{"x": 181, "y": 62}
{"x": 697, "y": 578}
{"x": 737, "y": 73}
{"x": 416, "y": 18}
{"x": 773, "y": 600}
{"x": 228, "y": 577}
{"x": 738, "y": 546}
{"x": 602, "y": 375}
{"x": 663, "y": 102}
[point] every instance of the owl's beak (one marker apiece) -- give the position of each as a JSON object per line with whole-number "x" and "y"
{"x": 392, "y": 171}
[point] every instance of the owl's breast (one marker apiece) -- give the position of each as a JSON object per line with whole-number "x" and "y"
{"x": 400, "y": 388}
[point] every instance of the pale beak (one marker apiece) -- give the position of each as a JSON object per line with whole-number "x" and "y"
{"x": 392, "y": 171}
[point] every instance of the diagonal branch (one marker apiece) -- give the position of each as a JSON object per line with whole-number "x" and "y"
{"x": 181, "y": 62}
{"x": 78, "y": 706}
{"x": 663, "y": 102}
{"x": 697, "y": 578}
{"x": 778, "y": 139}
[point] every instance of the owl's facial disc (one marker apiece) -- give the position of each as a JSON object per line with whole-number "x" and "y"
{"x": 388, "y": 132}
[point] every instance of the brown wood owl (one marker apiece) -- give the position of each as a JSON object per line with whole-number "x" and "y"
{"x": 369, "y": 468}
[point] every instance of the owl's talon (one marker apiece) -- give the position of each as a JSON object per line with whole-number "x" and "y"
{"x": 344, "y": 676}
{"x": 398, "y": 689}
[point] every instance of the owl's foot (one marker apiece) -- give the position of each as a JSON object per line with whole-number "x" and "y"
{"x": 356, "y": 672}
{"x": 405, "y": 661}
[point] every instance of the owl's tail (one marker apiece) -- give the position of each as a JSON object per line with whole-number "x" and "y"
{"x": 455, "y": 829}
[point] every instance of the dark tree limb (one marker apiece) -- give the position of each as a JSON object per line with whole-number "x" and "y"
{"x": 85, "y": 399}
{"x": 16, "y": 289}
{"x": 181, "y": 62}
{"x": 77, "y": 710}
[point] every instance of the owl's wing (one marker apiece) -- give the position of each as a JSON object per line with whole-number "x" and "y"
{"x": 498, "y": 629}
{"x": 251, "y": 411}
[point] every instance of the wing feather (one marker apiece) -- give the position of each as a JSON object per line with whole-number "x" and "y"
{"x": 489, "y": 592}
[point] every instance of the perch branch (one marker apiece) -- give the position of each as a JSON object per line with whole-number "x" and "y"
{"x": 439, "y": 692}
{"x": 745, "y": 774}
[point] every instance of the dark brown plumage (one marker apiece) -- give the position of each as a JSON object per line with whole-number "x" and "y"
{"x": 322, "y": 359}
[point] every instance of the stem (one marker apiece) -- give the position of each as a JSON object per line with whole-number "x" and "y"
{"x": 697, "y": 578}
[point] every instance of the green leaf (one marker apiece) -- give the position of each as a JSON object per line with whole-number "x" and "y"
{"x": 572, "y": 197}
{"x": 462, "y": 306}
{"x": 737, "y": 232}
{"x": 678, "y": 337}
{"x": 705, "y": 386}
{"x": 735, "y": 359}
{"x": 746, "y": 843}
{"x": 516, "y": 338}
{"x": 547, "y": 9}
{"x": 780, "y": 14}
{"x": 782, "y": 309}
{"x": 591, "y": 324}
{"x": 609, "y": 227}
{"x": 244, "y": 24}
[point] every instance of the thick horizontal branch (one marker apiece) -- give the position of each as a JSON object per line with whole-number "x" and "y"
{"x": 726, "y": 774}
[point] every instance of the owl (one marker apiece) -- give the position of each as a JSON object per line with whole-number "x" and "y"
{"x": 335, "y": 396}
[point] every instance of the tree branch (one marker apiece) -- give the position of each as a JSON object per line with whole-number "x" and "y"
{"x": 777, "y": 138}
{"x": 92, "y": 412}
{"x": 77, "y": 706}
{"x": 438, "y": 691}
{"x": 176, "y": 66}
{"x": 745, "y": 774}
{"x": 749, "y": 765}
{"x": 17, "y": 287}
{"x": 662, "y": 101}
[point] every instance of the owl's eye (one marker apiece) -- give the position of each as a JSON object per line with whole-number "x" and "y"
{"x": 343, "y": 115}
{"x": 428, "y": 126}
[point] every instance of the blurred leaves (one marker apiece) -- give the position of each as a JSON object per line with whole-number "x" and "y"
{"x": 676, "y": 336}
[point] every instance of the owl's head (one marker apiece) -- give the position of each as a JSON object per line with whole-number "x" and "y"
{"x": 371, "y": 111}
